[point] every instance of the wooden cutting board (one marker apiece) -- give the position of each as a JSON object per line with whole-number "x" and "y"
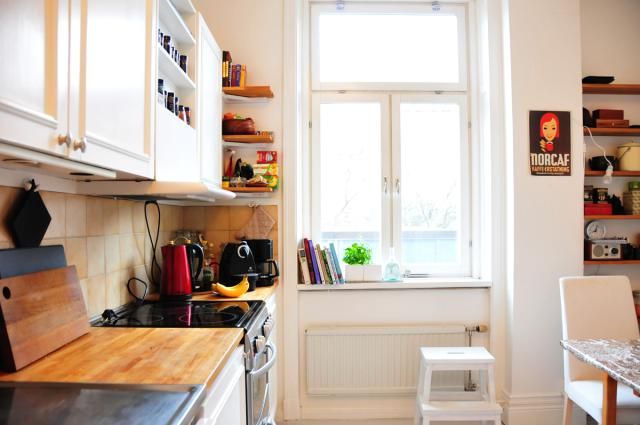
{"x": 39, "y": 313}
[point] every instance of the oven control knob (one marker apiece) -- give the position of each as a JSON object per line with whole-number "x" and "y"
{"x": 260, "y": 343}
{"x": 267, "y": 327}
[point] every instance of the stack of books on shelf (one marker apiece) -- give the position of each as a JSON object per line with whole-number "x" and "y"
{"x": 319, "y": 266}
{"x": 233, "y": 75}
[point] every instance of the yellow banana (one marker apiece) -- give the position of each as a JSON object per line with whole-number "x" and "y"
{"x": 233, "y": 291}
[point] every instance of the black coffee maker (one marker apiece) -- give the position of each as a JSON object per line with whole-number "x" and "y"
{"x": 237, "y": 261}
{"x": 266, "y": 266}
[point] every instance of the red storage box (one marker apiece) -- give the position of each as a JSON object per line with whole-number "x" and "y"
{"x": 608, "y": 114}
{"x": 597, "y": 209}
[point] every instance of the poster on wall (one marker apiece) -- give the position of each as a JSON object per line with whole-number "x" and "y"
{"x": 550, "y": 143}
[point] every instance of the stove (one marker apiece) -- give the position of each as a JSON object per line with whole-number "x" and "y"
{"x": 194, "y": 314}
{"x": 251, "y": 316}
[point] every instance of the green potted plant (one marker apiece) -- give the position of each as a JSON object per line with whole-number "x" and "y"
{"x": 358, "y": 267}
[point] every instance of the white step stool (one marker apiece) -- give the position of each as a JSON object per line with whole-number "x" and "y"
{"x": 456, "y": 358}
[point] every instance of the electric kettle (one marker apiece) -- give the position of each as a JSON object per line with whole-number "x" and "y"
{"x": 177, "y": 270}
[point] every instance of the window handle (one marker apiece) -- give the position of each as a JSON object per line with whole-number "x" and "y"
{"x": 398, "y": 186}
{"x": 385, "y": 185}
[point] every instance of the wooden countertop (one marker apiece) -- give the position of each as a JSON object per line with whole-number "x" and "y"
{"x": 136, "y": 356}
{"x": 262, "y": 294}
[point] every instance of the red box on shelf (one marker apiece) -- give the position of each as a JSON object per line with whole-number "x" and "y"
{"x": 597, "y": 209}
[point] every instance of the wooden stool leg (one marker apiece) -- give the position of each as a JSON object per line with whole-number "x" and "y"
{"x": 609, "y": 402}
{"x": 419, "y": 390}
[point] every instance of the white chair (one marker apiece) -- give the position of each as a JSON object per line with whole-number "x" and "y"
{"x": 458, "y": 406}
{"x": 596, "y": 307}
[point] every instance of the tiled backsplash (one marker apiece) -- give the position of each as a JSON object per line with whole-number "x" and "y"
{"x": 107, "y": 240}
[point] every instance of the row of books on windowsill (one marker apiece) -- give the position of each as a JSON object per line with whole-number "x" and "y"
{"x": 319, "y": 266}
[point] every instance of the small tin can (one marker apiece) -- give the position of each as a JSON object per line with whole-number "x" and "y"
{"x": 166, "y": 43}
{"x": 171, "y": 101}
{"x": 181, "y": 112}
{"x": 187, "y": 114}
{"x": 176, "y": 104}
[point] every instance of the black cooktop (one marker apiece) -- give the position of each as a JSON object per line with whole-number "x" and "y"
{"x": 193, "y": 314}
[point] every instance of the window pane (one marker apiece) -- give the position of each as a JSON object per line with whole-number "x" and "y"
{"x": 350, "y": 198}
{"x": 407, "y": 48}
{"x": 430, "y": 176}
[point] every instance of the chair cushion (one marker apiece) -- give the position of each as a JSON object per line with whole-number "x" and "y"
{"x": 588, "y": 395}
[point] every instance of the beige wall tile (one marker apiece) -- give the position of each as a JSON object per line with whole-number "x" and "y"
{"x": 218, "y": 238}
{"x": 239, "y": 217}
{"x": 139, "y": 225}
{"x": 165, "y": 218}
{"x": 127, "y": 251}
{"x": 97, "y": 291}
{"x": 272, "y": 210}
{"x": 177, "y": 217}
{"x": 140, "y": 249}
{"x": 95, "y": 217}
{"x": 110, "y": 216}
{"x": 56, "y": 205}
{"x": 112, "y": 253}
{"x": 85, "y": 292}
{"x": 76, "y": 252}
{"x": 216, "y": 218}
{"x": 114, "y": 287}
{"x": 95, "y": 256}
{"x": 8, "y": 197}
{"x": 76, "y": 216}
{"x": 125, "y": 212}
{"x": 193, "y": 218}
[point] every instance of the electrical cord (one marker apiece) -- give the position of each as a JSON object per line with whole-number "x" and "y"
{"x": 154, "y": 243}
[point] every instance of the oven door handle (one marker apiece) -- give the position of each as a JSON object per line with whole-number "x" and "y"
{"x": 268, "y": 365}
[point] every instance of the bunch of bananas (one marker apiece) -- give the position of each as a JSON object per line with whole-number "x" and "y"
{"x": 232, "y": 291}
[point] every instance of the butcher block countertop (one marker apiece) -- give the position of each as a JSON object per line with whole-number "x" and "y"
{"x": 136, "y": 356}
{"x": 141, "y": 355}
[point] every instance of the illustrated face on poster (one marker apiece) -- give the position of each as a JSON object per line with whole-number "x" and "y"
{"x": 550, "y": 143}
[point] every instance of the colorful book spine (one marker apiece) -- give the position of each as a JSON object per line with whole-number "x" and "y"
{"x": 311, "y": 257}
{"x": 327, "y": 268}
{"x": 304, "y": 267}
{"x": 336, "y": 262}
{"x": 243, "y": 75}
{"x": 323, "y": 276}
{"x": 332, "y": 269}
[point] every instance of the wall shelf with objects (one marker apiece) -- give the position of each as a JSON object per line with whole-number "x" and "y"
{"x": 174, "y": 24}
{"x": 247, "y": 94}
{"x": 612, "y": 217}
{"x": 615, "y": 132}
{"x": 611, "y": 88}
{"x": 172, "y": 71}
{"x": 248, "y": 139}
{"x": 611, "y": 262}
{"x": 594, "y": 173}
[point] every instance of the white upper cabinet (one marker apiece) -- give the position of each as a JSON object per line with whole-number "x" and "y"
{"x": 209, "y": 104}
{"x": 34, "y": 73}
{"x": 111, "y": 93}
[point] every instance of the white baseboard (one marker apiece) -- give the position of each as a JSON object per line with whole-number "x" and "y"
{"x": 354, "y": 413}
{"x": 358, "y": 422}
{"x": 532, "y": 409}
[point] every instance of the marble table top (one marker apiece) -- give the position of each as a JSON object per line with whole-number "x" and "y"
{"x": 620, "y": 359}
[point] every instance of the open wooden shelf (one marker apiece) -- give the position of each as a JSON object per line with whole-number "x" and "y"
{"x": 248, "y": 138}
{"x": 612, "y": 131}
{"x": 592, "y": 173}
{"x": 611, "y": 262}
{"x": 250, "y": 189}
{"x": 611, "y": 88}
{"x": 168, "y": 68}
{"x": 612, "y": 217}
{"x": 249, "y": 91}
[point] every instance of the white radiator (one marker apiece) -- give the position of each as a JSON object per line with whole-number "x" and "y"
{"x": 376, "y": 360}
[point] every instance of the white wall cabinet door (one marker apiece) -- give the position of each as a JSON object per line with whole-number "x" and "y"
{"x": 34, "y": 39}
{"x": 209, "y": 105}
{"x": 111, "y": 92}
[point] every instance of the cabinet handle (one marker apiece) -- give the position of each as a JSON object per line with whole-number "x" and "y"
{"x": 81, "y": 145}
{"x": 385, "y": 186}
{"x": 398, "y": 186}
{"x": 65, "y": 139}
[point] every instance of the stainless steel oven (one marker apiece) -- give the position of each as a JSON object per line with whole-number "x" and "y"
{"x": 261, "y": 353}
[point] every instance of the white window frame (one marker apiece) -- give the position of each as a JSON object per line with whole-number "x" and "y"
{"x": 463, "y": 267}
{"x": 385, "y": 152}
{"x": 457, "y": 10}
{"x": 318, "y": 92}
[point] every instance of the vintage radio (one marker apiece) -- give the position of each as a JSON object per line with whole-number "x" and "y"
{"x": 604, "y": 249}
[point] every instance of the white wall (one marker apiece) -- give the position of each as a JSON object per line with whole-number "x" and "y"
{"x": 546, "y": 231}
{"x": 609, "y": 35}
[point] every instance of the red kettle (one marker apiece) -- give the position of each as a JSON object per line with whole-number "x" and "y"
{"x": 176, "y": 273}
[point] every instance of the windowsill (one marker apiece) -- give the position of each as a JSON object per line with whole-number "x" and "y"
{"x": 422, "y": 283}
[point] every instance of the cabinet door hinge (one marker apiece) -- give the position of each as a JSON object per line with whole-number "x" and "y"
{"x": 309, "y": 124}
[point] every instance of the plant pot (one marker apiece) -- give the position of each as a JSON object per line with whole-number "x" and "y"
{"x": 353, "y": 273}
{"x": 372, "y": 273}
